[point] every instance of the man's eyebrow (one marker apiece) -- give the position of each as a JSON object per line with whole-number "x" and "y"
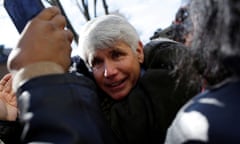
{"x": 114, "y": 49}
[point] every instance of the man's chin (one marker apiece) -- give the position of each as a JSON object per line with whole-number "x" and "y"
{"x": 118, "y": 96}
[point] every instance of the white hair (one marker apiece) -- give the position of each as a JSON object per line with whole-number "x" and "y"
{"x": 103, "y": 32}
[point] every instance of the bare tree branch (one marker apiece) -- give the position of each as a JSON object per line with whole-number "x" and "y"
{"x": 79, "y": 6}
{"x": 95, "y": 8}
{"x": 84, "y": 8}
{"x": 105, "y": 6}
{"x": 86, "y": 11}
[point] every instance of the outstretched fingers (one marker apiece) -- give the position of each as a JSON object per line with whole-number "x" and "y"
{"x": 6, "y": 92}
{"x": 4, "y": 81}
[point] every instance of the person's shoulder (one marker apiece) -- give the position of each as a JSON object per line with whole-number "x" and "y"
{"x": 183, "y": 129}
{"x": 161, "y": 53}
{"x": 162, "y": 43}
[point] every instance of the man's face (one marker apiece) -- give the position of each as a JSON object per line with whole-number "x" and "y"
{"x": 116, "y": 70}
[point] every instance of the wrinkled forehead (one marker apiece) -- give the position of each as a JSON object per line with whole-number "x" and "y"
{"x": 95, "y": 50}
{"x": 118, "y": 46}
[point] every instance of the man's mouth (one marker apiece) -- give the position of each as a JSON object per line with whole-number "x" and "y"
{"x": 115, "y": 84}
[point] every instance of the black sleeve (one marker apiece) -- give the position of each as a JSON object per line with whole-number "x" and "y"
{"x": 62, "y": 109}
{"x": 10, "y": 132}
{"x": 145, "y": 115}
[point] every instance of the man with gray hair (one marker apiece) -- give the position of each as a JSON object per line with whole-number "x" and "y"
{"x": 139, "y": 93}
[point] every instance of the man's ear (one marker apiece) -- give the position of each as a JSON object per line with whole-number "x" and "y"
{"x": 140, "y": 53}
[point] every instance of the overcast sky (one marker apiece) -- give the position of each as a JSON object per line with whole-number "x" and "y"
{"x": 148, "y": 15}
{"x": 145, "y": 15}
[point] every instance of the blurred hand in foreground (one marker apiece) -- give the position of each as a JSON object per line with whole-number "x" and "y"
{"x": 44, "y": 39}
{"x": 8, "y": 101}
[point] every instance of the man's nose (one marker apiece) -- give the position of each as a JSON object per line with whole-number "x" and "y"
{"x": 109, "y": 70}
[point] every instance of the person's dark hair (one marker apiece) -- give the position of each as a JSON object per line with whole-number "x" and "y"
{"x": 215, "y": 50}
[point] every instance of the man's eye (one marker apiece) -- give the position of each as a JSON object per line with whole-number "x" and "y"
{"x": 96, "y": 63}
{"x": 116, "y": 55}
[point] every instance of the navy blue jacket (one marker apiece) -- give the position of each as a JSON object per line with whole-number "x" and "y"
{"x": 62, "y": 109}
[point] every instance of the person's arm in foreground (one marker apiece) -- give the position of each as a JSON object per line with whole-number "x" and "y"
{"x": 55, "y": 106}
